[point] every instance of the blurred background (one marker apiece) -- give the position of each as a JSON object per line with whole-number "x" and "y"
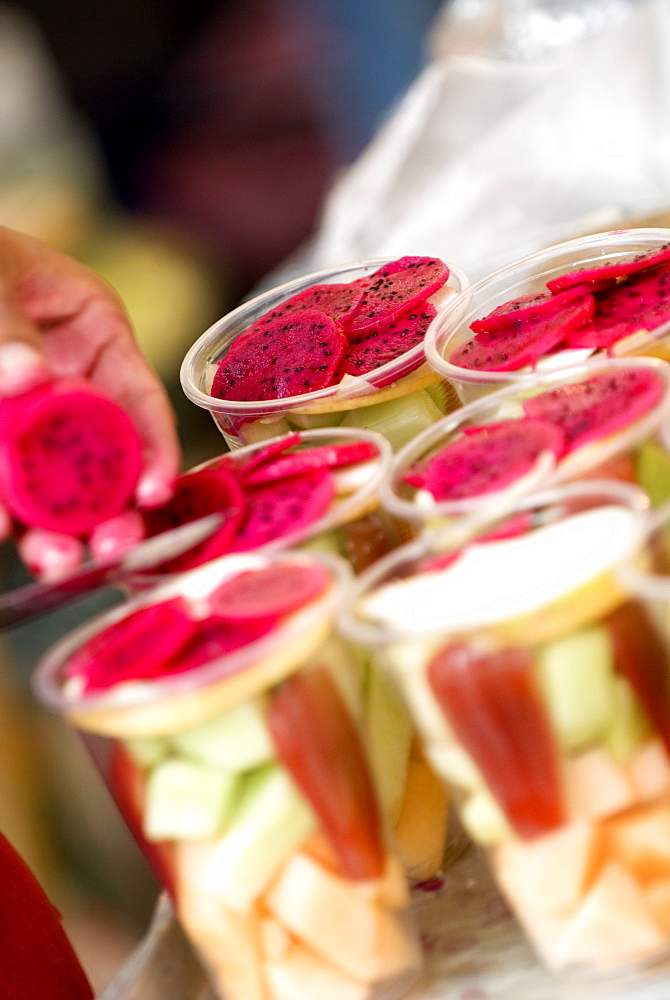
{"x": 183, "y": 149}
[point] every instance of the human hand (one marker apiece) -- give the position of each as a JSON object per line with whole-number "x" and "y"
{"x": 59, "y": 318}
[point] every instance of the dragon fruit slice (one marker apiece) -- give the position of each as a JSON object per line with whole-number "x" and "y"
{"x": 276, "y": 510}
{"x": 134, "y": 648}
{"x": 264, "y": 455}
{"x": 394, "y": 289}
{"x": 286, "y": 357}
{"x": 524, "y": 342}
{"x": 598, "y": 406}
{"x": 338, "y": 300}
{"x": 529, "y": 306}
{"x": 374, "y": 348}
{"x": 215, "y": 638}
{"x": 641, "y": 302}
{"x": 614, "y": 269}
{"x": 489, "y": 457}
{"x": 269, "y": 592}
{"x": 70, "y": 457}
{"x": 326, "y": 456}
{"x": 207, "y": 491}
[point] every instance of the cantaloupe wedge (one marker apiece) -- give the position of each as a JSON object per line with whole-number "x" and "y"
{"x": 640, "y": 840}
{"x": 391, "y": 890}
{"x": 302, "y": 975}
{"x": 229, "y": 943}
{"x": 420, "y": 833}
{"x": 596, "y": 786}
{"x": 549, "y": 874}
{"x": 275, "y": 940}
{"x": 358, "y": 936}
{"x": 649, "y": 770}
{"x": 613, "y": 927}
{"x": 657, "y": 895}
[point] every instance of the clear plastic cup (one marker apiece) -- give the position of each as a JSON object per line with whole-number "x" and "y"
{"x": 637, "y": 451}
{"x": 529, "y": 274}
{"x": 352, "y": 524}
{"x": 245, "y": 779}
{"x": 541, "y": 692}
{"x": 247, "y": 422}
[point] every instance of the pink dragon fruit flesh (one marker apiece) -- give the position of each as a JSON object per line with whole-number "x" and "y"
{"x": 370, "y": 350}
{"x": 612, "y": 269}
{"x": 488, "y": 458}
{"x": 598, "y": 406}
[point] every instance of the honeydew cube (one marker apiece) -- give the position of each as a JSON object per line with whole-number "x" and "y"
{"x": 596, "y": 786}
{"x": 147, "y": 751}
{"x": 236, "y": 739}
{"x": 271, "y": 820}
{"x": 389, "y": 732}
{"x": 640, "y": 840}
{"x": 420, "y": 834}
{"x": 612, "y": 927}
{"x": 228, "y": 942}
{"x": 653, "y": 471}
{"x": 484, "y": 820}
{"x": 549, "y": 874}
{"x": 408, "y": 661}
{"x": 186, "y": 799}
{"x": 455, "y": 765}
{"x": 398, "y": 420}
{"x": 576, "y": 674}
{"x": 302, "y": 975}
{"x": 649, "y": 770}
{"x": 356, "y": 935}
{"x": 629, "y": 726}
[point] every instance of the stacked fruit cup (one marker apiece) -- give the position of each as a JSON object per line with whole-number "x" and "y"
{"x": 225, "y": 715}
{"x": 539, "y": 681}
{"x": 352, "y": 356}
{"x": 317, "y": 489}
{"x": 552, "y": 309}
{"x": 605, "y": 417}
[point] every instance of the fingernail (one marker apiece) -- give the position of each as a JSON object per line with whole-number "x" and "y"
{"x": 21, "y": 367}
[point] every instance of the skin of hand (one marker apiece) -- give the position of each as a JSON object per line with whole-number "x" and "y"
{"x": 59, "y": 318}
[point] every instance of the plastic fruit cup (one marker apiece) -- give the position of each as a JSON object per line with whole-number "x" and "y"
{"x": 528, "y": 274}
{"x": 407, "y": 378}
{"x": 244, "y": 778}
{"x": 352, "y": 524}
{"x": 636, "y": 451}
{"x": 540, "y": 686}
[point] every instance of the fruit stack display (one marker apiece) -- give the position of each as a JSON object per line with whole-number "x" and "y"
{"x": 540, "y": 686}
{"x": 230, "y": 720}
{"x": 343, "y": 348}
{"x": 544, "y": 719}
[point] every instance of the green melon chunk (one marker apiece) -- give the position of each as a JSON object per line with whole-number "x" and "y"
{"x": 576, "y": 677}
{"x": 629, "y": 726}
{"x": 187, "y": 800}
{"x": 147, "y": 751}
{"x": 389, "y": 733}
{"x": 236, "y": 740}
{"x": 484, "y": 820}
{"x": 652, "y": 468}
{"x": 271, "y": 821}
{"x": 398, "y": 420}
{"x": 330, "y": 541}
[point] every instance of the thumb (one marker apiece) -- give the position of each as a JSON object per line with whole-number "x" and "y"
{"x": 23, "y": 364}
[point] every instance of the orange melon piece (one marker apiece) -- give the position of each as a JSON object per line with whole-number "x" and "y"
{"x": 657, "y": 895}
{"x": 358, "y": 936}
{"x": 420, "y": 833}
{"x": 640, "y": 840}
{"x": 649, "y": 770}
{"x": 613, "y": 927}
{"x": 549, "y": 873}
{"x": 228, "y": 942}
{"x": 302, "y": 975}
{"x": 596, "y": 786}
{"x": 391, "y": 890}
{"x": 274, "y": 938}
